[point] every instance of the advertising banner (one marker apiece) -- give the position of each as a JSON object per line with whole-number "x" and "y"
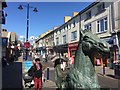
{"x": 27, "y": 65}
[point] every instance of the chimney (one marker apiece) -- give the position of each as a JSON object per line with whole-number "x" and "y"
{"x": 66, "y": 18}
{"x": 75, "y": 13}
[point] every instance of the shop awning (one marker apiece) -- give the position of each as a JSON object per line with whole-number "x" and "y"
{"x": 61, "y": 48}
{"x": 110, "y": 41}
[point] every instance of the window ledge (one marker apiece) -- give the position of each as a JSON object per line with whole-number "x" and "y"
{"x": 73, "y": 39}
{"x": 101, "y": 32}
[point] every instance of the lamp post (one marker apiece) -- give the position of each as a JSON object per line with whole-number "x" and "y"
{"x": 35, "y": 10}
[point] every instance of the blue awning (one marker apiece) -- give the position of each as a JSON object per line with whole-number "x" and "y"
{"x": 110, "y": 41}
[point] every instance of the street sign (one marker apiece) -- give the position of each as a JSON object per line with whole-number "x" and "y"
{"x": 26, "y": 44}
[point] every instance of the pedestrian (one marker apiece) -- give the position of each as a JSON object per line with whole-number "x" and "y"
{"x": 71, "y": 61}
{"x": 36, "y": 55}
{"x": 37, "y": 74}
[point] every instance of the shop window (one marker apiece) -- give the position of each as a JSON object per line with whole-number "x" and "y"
{"x": 73, "y": 52}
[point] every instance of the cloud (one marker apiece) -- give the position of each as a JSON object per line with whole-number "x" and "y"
{"x": 21, "y": 36}
{"x": 32, "y": 37}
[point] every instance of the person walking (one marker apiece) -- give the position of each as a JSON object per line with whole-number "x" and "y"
{"x": 71, "y": 61}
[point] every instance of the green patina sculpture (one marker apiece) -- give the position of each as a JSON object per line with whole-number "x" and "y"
{"x": 82, "y": 75}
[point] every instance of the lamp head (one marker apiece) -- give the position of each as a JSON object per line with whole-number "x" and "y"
{"x": 20, "y": 7}
{"x": 35, "y": 10}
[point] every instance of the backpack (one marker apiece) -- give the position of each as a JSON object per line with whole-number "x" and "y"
{"x": 31, "y": 71}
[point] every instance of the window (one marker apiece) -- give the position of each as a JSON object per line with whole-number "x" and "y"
{"x": 64, "y": 27}
{"x": 73, "y": 36}
{"x": 102, "y": 25}
{"x": 87, "y": 26}
{"x": 100, "y": 8}
{"x": 88, "y": 15}
{"x": 73, "y": 23}
{"x": 57, "y": 41}
{"x": 55, "y": 33}
{"x": 64, "y": 39}
{"x": 58, "y": 32}
{"x": 69, "y": 26}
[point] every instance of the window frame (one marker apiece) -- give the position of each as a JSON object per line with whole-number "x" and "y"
{"x": 103, "y": 22}
{"x": 72, "y": 37}
{"x": 64, "y": 39}
{"x": 57, "y": 41}
{"x": 89, "y": 25}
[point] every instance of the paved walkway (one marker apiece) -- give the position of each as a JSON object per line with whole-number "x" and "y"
{"x": 108, "y": 72}
{"x": 48, "y": 84}
{"x": 99, "y": 70}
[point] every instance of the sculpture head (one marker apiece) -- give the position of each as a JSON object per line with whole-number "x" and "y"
{"x": 91, "y": 42}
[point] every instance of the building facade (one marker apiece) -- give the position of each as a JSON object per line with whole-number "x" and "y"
{"x": 44, "y": 44}
{"x": 98, "y": 18}
{"x": 9, "y": 43}
{"x": 102, "y": 18}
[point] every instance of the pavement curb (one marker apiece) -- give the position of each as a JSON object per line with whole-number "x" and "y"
{"x": 106, "y": 76}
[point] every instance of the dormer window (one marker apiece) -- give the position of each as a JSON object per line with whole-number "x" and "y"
{"x": 88, "y": 15}
{"x": 73, "y": 23}
{"x": 100, "y": 8}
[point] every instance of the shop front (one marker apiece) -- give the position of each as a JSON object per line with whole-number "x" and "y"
{"x": 61, "y": 48}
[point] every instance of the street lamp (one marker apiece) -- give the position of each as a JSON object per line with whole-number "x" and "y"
{"x": 35, "y": 10}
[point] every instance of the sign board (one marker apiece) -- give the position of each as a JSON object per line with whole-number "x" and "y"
{"x": 26, "y": 44}
{"x": 27, "y": 65}
{"x": 4, "y": 41}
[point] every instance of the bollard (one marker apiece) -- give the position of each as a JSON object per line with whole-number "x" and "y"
{"x": 47, "y": 73}
{"x": 103, "y": 69}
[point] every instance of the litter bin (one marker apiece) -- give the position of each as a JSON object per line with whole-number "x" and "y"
{"x": 117, "y": 70}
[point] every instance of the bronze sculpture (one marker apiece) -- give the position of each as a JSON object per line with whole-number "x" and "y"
{"x": 82, "y": 75}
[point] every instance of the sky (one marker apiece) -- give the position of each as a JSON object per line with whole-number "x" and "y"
{"x": 49, "y": 15}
